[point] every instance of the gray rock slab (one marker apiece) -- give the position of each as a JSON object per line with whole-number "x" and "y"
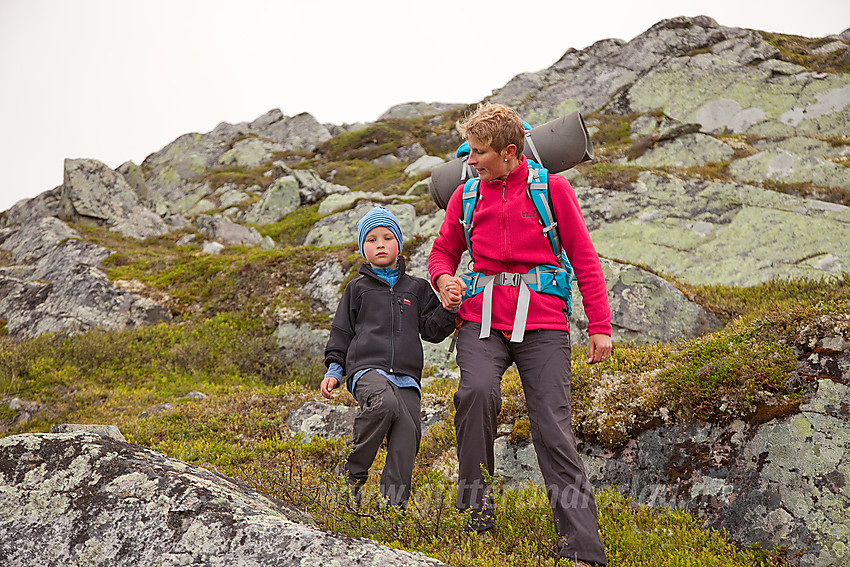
{"x": 94, "y": 193}
{"x": 82, "y": 499}
{"x": 686, "y": 151}
{"x": 280, "y": 199}
{"x": 37, "y": 238}
{"x": 315, "y": 418}
{"x": 224, "y": 230}
{"x": 644, "y": 308}
{"x": 717, "y": 233}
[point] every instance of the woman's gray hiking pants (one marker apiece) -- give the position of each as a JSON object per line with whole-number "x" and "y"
{"x": 543, "y": 361}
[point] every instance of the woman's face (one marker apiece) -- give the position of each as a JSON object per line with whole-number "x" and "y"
{"x": 489, "y": 163}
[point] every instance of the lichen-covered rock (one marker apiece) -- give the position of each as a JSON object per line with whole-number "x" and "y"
{"x": 47, "y": 204}
{"x": 94, "y": 194}
{"x": 315, "y": 418}
{"x": 278, "y": 201}
{"x": 324, "y": 283}
{"x": 249, "y": 153}
{"x": 717, "y": 233}
{"x": 686, "y": 151}
{"x": 786, "y": 167}
{"x": 226, "y": 231}
{"x": 590, "y": 78}
{"x": 65, "y": 295}
{"x": 83, "y": 499}
{"x": 417, "y": 109}
{"x": 423, "y": 165}
{"x": 37, "y": 239}
{"x": 782, "y": 482}
{"x": 644, "y": 308}
{"x": 736, "y": 98}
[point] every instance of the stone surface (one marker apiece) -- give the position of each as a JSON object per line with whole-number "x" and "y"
{"x": 94, "y": 194}
{"x": 315, "y": 418}
{"x": 278, "y": 201}
{"x": 225, "y": 231}
{"x": 717, "y": 233}
{"x": 781, "y": 483}
{"x": 65, "y": 291}
{"x": 644, "y": 308}
{"x": 83, "y": 499}
{"x": 423, "y": 165}
{"x": 416, "y": 109}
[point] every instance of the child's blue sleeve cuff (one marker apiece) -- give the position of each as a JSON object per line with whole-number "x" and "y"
{"x": 335, "y": 370}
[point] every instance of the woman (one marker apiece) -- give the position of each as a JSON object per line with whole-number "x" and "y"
{"x": 507, "y": 238}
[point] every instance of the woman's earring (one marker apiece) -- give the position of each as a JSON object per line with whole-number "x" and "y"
{"x": 506, "y": 159}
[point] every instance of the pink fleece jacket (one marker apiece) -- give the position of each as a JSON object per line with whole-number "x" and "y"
{"x": 507, "y": 237}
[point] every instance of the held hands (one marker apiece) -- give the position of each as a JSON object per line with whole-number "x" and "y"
{"x": 328, "y": 385}
{"x": 451, "y": 290}
{"x": 598, "y": 348}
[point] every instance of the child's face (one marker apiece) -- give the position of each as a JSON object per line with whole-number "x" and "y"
{"x": 381, "y": 248}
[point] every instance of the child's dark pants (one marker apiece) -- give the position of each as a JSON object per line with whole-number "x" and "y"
{"x": 543, "y": 361}
{"x": 392, "y": 412}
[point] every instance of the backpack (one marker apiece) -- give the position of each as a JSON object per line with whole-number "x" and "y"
{"x": 547, "y": 278}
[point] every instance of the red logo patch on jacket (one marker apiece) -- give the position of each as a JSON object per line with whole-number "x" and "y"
{"x": 406, "y": 301}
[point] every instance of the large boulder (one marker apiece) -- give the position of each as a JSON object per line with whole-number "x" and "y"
{"x": 341, "y": 228}
{"x": 84, "y": 499}
{"x": 57, "y": 285}
{"x": 66, "y": 292}
{"x": 644, "y": 308}
{"x": 707, "y": 232}
{"x": 224, "y": 230}
{"x": 94, "y": 194}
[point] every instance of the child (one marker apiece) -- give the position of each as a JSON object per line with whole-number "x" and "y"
{"x": 374, "y": 340}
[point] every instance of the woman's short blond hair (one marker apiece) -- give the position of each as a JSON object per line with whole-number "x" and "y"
{"x": 496, "y": 125}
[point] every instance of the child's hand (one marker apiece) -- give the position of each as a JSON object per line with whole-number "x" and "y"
{"x": 328, "y": 385}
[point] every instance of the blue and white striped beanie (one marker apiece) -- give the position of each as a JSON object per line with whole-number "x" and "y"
{"x": 379, "y": 216}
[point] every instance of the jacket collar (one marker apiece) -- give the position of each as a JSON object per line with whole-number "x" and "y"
{"x": 366, "y": 270}
{"x": 520, "y": 172}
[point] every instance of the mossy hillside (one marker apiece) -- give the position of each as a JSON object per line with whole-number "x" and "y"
{"x": 240, "y": 431}
{"x": 111, "y": 377}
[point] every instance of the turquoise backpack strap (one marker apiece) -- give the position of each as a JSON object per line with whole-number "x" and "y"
{"x": 470, "y": 198}
{"x": 538, "y": 192}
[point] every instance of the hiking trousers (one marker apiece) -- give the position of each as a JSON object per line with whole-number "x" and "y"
{"x": 543, "y": 361}
{"x": 385, "y": 411}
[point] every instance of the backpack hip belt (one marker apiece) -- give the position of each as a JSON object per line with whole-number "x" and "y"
{"x": 547, "y": 278}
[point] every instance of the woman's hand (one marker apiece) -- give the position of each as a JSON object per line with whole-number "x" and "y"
{"x": 328, "y": 385}
{"x": 451, "y": 289}
{"x": 598, "y": 348}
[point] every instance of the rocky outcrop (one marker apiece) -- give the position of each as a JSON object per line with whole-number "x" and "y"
{"x": 85, "y": 499}
{"x": 243, "y": 145}
{"x": 644, "y": 308}
{"x": 417, "y": 109}
{"x": 94, "y": 194}
{"x": 775, "y": 481}
{"x": 58, "y": 286}
{"x": 706, "y": 232}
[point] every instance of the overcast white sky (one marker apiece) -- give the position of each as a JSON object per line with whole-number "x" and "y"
{"x": 117, "y": 80}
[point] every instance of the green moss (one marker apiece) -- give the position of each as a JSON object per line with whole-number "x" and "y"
{"x": 800, "y": 51}
{"x": 609, "y": 175}
{"x": 292, "y": 229}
